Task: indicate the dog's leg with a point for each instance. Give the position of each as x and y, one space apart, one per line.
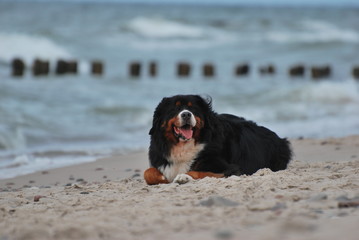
189 176
199 175
154 176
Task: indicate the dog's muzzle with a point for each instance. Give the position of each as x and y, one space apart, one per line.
187 122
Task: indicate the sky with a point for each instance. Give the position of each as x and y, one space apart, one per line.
244 2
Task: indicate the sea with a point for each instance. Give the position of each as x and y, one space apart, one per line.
53 121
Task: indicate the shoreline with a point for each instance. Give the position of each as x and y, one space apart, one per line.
106 169
316 198
133 164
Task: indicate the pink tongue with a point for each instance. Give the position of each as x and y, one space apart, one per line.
187 133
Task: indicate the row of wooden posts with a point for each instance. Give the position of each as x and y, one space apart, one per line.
208 70
184 69
42 67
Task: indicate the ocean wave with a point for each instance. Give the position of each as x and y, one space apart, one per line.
307 102
178 44
343 92
163 28
29 47
148 33
314 31
27 163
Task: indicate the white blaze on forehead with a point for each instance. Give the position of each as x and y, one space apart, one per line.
192 122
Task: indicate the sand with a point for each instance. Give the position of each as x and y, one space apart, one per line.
315 198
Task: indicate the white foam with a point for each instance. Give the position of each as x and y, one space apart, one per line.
330 92
29 47
317 127
25 164
159 33
325 92
163 28
21 160
315 31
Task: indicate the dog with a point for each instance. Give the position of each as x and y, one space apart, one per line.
191 141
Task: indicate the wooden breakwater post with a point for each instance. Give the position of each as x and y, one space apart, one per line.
61 67
267 70
319 72
64 67
183 69
242 70
208 70
72 67
97 68
135 69
297 71
40 67
152 69
355 72
18 67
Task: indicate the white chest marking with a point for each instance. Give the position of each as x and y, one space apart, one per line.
181 158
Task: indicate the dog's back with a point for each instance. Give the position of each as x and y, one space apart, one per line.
252 147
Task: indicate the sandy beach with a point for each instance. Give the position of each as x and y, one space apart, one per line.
317 197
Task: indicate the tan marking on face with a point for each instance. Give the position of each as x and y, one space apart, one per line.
198 127
169 129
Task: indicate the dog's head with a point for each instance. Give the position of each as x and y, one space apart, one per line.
181 117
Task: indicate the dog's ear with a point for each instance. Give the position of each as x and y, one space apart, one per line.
151 131
156 122
205 103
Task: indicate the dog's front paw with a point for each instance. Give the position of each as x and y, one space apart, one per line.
182 178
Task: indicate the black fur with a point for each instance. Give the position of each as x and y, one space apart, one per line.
234 146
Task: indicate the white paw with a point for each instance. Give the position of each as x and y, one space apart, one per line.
182 178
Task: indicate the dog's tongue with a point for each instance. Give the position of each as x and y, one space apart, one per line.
187 133
184 132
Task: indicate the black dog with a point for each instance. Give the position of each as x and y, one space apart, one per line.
189 140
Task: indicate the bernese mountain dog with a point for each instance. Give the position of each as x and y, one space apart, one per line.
191 141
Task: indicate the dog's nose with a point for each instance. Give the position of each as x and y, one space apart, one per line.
186 115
